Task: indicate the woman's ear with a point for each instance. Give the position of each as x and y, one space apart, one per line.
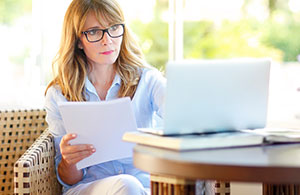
79 45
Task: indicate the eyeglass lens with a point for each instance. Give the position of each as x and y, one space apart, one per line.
97 34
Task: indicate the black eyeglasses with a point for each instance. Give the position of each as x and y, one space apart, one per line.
97 34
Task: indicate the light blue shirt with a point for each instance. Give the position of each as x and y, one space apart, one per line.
148 108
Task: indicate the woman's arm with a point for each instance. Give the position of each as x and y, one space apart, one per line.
72 154
66 155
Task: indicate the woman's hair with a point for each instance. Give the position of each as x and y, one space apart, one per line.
70 65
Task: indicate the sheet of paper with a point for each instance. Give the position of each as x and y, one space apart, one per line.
101 124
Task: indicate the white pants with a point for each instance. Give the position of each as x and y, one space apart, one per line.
115 185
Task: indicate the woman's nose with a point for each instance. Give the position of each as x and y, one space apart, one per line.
106 38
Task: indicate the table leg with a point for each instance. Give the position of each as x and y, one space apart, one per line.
279 189
167 185
170 185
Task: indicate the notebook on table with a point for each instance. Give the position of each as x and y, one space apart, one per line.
215 96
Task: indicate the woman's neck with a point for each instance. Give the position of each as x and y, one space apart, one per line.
102 78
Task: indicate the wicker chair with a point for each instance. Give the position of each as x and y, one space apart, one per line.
35 170
18 130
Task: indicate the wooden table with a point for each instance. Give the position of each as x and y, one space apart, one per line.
277 166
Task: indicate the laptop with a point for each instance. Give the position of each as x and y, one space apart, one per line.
204 96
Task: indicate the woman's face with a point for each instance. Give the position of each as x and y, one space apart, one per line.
104 52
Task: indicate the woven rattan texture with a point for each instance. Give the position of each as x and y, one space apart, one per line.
35 170
18 130
222 188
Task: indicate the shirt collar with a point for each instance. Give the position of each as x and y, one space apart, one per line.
117 80
90 87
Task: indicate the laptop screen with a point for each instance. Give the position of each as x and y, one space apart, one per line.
216 95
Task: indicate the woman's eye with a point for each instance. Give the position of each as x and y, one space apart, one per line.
113 28
93 32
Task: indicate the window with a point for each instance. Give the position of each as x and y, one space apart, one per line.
250 28
149 21
29 38
166 30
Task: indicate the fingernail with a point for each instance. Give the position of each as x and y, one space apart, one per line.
93 150
91 147
73 135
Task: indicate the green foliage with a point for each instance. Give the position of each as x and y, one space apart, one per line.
205 39
232 39
12 9
153 36
153 39
283 36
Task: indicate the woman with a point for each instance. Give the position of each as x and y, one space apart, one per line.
99 60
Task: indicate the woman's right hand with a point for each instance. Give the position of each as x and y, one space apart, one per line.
72 154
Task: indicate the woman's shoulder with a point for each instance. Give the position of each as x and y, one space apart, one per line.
151 73
152 78
54 92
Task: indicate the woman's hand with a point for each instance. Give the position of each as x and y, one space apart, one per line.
72 154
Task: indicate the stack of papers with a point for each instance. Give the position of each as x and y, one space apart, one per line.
101 124
278 135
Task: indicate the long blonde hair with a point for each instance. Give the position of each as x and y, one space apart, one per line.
70 65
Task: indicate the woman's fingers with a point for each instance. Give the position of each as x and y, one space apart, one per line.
75 158
66 138
72 154
71 149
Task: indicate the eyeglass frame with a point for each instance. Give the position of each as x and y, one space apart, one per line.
103 32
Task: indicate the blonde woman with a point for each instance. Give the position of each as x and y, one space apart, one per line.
99 60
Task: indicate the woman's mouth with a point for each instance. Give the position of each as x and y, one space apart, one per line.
107 52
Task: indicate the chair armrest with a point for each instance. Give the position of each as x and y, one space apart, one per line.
34 171
18 130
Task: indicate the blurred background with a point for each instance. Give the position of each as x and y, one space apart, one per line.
166 30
